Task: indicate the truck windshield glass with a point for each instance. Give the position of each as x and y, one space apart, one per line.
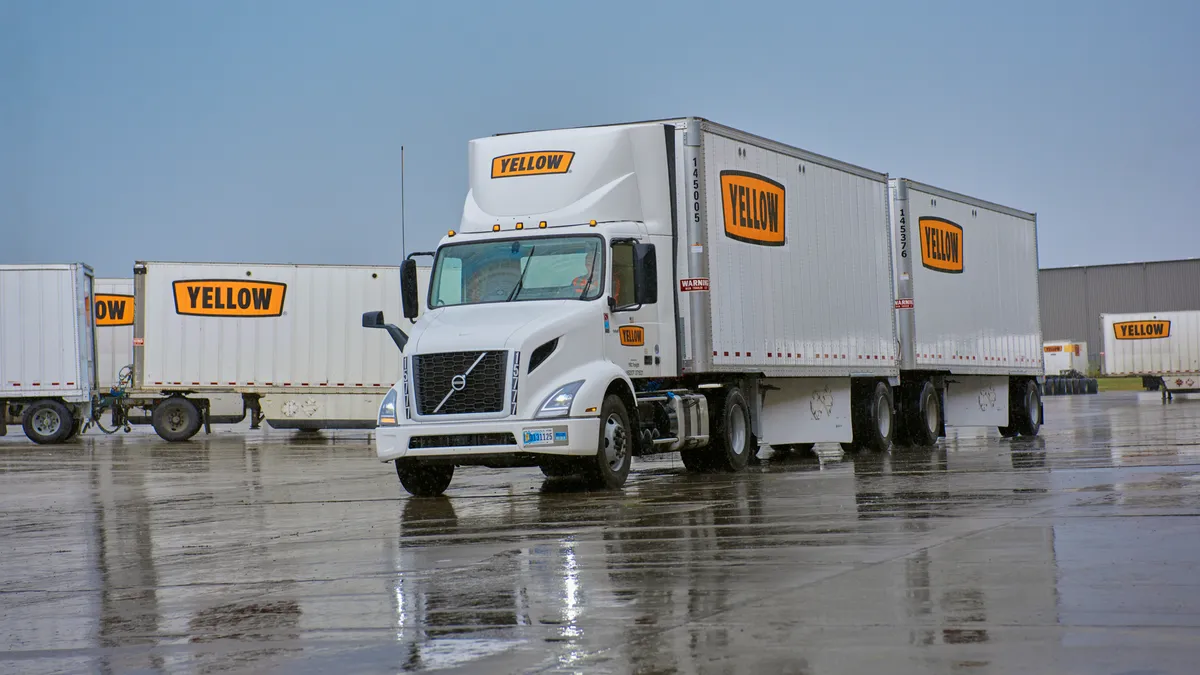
541 268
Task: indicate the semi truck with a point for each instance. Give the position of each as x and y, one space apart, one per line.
1162 347
47 349
683 286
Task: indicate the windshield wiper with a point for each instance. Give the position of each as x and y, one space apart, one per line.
588 286
521 280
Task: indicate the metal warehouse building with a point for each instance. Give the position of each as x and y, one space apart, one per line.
1073 298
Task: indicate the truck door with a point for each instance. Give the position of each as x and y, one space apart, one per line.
632 324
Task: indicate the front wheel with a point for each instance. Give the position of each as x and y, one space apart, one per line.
610 467
47 422
424 480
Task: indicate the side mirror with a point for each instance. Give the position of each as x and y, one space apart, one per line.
373 320
645 274
408 288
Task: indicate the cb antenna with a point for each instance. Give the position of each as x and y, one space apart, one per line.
403 250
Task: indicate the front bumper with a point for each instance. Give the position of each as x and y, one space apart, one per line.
563 436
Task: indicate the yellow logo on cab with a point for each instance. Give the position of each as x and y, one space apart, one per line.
532 163
633 336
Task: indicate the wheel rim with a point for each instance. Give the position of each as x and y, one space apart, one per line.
615 442
737 429
47 422
1031 405
176 420
931 415
883 418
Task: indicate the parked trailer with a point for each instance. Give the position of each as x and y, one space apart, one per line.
1163 346
114 311
47 349
1064 357
966 312
285 339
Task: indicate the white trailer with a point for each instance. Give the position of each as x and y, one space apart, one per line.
47 349
1065 356
966 313
286 340
649 287
1162 346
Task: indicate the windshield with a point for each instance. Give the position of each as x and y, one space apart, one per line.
508 270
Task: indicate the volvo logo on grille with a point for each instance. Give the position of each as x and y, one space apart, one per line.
458 383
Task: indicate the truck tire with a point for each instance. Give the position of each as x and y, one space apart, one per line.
76 427
1029 422
47 422
872 417
424 480
924 423
1022 418
609 468
731 441
176 419
1093 386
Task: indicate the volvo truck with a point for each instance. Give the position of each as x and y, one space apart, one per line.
682 286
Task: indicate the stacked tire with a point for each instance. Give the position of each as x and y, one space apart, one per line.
1058 385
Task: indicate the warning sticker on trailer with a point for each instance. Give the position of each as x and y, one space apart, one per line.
139 342
697 284
904 303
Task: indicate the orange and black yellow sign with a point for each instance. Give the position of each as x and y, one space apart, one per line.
633 336
1052 349
112 309
754 208
532 163
941 245
1142 330
229 297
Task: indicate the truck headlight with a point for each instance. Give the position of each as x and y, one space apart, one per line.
387 410
559 403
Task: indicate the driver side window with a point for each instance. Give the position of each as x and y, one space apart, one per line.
623 278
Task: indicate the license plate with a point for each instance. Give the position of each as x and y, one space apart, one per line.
539 437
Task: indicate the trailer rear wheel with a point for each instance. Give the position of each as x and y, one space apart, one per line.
1029 422
47 422
924 423
176 419
424 480
76 427
871 416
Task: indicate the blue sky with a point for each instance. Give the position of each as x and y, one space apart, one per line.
270 131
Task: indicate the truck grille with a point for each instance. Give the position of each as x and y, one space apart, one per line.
460 383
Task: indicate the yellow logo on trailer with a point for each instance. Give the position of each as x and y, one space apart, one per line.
1142 330
229 297
941 245
754 208
532 163
113 309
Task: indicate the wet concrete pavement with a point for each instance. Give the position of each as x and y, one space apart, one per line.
1076 552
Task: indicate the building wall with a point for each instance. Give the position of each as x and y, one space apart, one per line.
1073 298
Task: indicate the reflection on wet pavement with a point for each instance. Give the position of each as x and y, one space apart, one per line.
252 552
